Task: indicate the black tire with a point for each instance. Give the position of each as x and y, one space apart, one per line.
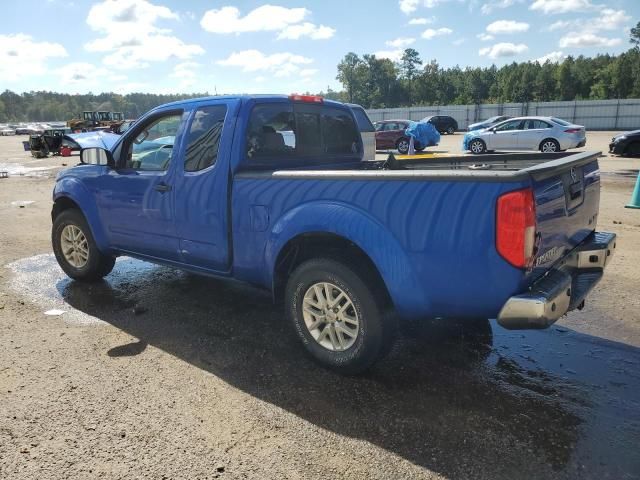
451 130
97 266
550 143
376 330
420 148
633 149
477 146
403 146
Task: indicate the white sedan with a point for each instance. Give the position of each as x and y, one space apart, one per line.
546 134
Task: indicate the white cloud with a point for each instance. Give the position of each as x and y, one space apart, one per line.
457 42
422 21
280 64
131 37
485 37
492 5
186 73
393 55
308 72
82 73
408 6
503 50
314 32
429 33
507 27
607 19
21 56
587 39
562 6
553 57
400 42
266 18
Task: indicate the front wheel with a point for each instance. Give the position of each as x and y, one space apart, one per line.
337 316
549 146
75 248
477 146
403 146
451 130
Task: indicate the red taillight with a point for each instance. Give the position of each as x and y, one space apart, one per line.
516 227
573 130
306 98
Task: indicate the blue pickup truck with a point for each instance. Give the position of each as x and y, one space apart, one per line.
273 191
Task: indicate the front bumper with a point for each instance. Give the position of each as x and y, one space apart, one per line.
617 148
562 289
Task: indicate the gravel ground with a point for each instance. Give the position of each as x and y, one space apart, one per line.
161 374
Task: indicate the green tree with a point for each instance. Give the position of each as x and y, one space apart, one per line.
349 71
635 36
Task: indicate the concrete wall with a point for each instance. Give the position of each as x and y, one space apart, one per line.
593 114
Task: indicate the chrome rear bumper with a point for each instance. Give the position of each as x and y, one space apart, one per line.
563 288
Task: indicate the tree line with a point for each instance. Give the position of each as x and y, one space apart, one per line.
381 83
51 106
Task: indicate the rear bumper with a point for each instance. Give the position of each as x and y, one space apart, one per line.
562 289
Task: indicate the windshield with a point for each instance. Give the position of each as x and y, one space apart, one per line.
560 122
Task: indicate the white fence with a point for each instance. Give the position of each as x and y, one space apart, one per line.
593 114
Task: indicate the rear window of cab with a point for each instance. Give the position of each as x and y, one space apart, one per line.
296 134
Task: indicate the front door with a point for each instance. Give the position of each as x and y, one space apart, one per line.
138 199
505 136
202 188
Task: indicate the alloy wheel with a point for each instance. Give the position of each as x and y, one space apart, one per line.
330 316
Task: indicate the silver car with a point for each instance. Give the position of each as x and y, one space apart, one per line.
546 134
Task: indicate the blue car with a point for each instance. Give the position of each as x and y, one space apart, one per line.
272 190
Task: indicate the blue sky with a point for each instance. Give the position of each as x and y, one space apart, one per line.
285 46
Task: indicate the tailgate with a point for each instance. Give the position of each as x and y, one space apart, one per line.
567 199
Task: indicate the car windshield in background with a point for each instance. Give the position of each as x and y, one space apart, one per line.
560 122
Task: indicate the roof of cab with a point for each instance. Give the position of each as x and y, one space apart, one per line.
239 97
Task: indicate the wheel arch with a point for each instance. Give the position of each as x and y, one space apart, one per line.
69 193
353 233
546 140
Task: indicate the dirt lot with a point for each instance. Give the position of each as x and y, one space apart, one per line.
160 374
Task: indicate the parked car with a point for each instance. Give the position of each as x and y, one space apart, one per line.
367 131
489 122
350 247
626 144
391 134
547 134
7 131
444 123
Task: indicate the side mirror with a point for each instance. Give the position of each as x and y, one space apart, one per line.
96 156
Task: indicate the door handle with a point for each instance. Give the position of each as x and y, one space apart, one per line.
162 187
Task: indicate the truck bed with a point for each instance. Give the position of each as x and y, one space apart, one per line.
432 223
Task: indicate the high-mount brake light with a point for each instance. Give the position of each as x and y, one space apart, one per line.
516 227
306 98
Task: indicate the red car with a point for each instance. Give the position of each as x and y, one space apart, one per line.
390 135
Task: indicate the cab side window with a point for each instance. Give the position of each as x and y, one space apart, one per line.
152 147
203 139
271 131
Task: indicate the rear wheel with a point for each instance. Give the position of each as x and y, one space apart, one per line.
75 248
403 146
633 149
549 145
337 315
477 146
